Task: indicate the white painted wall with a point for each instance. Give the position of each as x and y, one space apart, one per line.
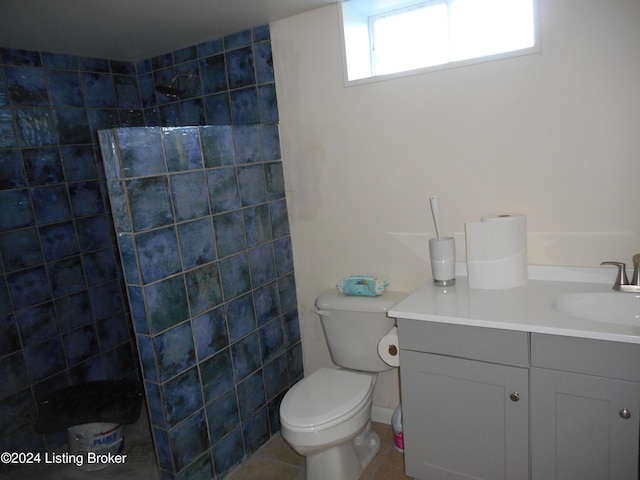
553 135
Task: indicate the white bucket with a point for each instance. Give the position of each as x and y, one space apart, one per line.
95 438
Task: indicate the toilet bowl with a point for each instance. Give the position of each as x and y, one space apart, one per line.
327 418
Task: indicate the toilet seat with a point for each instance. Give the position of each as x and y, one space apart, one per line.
325 398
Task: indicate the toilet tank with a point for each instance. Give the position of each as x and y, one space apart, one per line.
354 325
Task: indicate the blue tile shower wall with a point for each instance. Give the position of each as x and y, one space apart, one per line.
55 103
63 311
202 224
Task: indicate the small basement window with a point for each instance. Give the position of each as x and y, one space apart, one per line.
385 38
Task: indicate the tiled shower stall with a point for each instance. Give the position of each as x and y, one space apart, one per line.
207 255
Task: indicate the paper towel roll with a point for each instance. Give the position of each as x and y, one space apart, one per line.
389 349
497 251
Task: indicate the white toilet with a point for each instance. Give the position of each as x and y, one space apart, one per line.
327 416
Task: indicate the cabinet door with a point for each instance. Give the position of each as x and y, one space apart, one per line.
464 419
580 428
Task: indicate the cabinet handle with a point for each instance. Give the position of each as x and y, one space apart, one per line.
624 413
515 396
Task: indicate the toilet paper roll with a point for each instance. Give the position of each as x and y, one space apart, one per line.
497 251
389 349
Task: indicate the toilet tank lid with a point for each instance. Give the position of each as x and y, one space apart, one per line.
334 300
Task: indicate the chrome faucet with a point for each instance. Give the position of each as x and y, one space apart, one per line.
622 282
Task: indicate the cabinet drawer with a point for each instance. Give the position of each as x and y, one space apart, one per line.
583 355
475 343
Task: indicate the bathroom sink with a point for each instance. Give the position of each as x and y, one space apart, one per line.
610 307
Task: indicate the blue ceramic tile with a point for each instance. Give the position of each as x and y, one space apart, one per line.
99 90
141 151
26 86
106 299
261 33
218 109
20 249
43 166
223 189
37 323
257 225
276 377
16 210
193 111
13 370
246 356
59 241
66 276
228 452
51 204
275 180
238 39
11 172
79 163
150 202
93 232
8 136
251 395
223 416
80 344
234 271
229 232
127 93
100 266
279 218
182 396
113 331
203 286
167 303
158 254
9 340
189 440
175 351
147 356
287 291
45 359
268 103
284 256
262 265
210 332
267 302
73 126
28 287
210 47
244 106
291 327
217 375
255 431
217 145
264 62
240 317
270 135
182 149
252 185
197 242
214 74
271 340
75 311
65 88
190 195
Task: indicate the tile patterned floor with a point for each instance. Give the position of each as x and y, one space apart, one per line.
274 461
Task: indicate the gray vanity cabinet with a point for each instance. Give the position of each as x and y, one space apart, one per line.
491 404
465 416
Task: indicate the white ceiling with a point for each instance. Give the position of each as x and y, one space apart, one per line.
133 30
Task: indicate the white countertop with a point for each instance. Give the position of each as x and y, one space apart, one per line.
525 308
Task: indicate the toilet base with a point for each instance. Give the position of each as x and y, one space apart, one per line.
345 461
